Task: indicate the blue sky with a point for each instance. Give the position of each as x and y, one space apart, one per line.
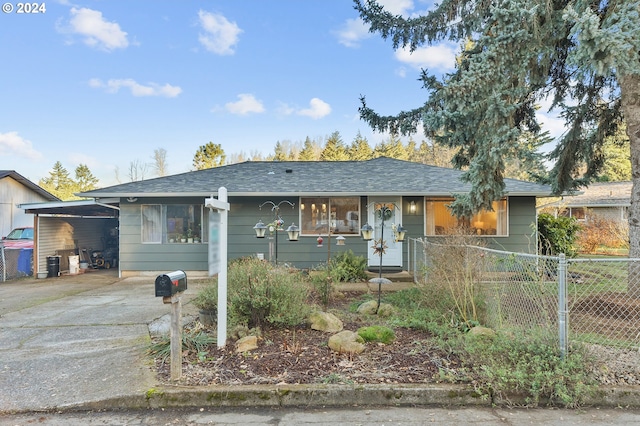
106 82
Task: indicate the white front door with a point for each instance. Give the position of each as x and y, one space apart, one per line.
392 255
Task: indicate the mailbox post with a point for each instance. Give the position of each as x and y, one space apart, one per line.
170 287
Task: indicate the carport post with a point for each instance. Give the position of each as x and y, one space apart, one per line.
218 256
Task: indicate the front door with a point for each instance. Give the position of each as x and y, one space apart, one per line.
392 255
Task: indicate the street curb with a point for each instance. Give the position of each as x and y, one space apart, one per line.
335 396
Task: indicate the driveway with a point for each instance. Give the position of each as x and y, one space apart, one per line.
76 339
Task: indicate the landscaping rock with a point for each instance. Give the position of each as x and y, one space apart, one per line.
369 308
247 344
325 321
346 342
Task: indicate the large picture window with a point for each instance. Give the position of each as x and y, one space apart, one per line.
440 221
174 223
342 214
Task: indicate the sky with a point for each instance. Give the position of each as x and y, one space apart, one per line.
105 83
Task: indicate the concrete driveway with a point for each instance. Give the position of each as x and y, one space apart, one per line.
76 339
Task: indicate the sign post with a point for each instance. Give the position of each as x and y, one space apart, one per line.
218 215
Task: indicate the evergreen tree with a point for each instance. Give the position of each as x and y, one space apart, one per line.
310 151
85 180
392 148
280 153
208 156
334 149
584 54
360 150
59 183
617 164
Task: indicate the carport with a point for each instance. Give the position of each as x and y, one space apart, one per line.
67 228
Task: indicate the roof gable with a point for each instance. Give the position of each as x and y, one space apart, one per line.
27 183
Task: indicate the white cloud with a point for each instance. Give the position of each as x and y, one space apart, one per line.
397 7
317 109
220 35
442 57
246 104
95 30
352 32
355 30
136 89
13 144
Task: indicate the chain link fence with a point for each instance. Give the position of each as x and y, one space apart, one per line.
15 263
589 300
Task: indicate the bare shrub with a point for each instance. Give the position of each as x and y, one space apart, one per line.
453 276
600 231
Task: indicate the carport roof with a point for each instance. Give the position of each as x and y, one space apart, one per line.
79 208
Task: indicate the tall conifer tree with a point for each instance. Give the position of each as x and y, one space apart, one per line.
582 54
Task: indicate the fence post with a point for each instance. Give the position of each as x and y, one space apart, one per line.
562 304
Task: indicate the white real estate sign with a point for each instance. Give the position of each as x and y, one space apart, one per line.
219 210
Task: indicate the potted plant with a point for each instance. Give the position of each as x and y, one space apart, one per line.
189 235
207 302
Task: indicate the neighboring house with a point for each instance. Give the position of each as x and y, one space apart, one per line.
610 200
15 190
156 215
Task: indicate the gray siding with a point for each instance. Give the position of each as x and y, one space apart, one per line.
522 225
148 259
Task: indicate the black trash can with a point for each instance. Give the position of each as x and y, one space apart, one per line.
53 266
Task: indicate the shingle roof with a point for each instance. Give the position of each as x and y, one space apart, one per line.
599 195
379 176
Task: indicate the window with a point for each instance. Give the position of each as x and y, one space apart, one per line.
151 224
440 221
175 223
341 213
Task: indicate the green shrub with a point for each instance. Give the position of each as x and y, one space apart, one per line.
322 283
347 267
530 364
260 294
557 235
207 297
377 333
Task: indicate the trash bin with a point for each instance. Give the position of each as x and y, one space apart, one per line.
53 266
24 262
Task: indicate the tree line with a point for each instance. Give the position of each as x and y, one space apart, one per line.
528 166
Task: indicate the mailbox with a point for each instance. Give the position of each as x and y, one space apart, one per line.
171 283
